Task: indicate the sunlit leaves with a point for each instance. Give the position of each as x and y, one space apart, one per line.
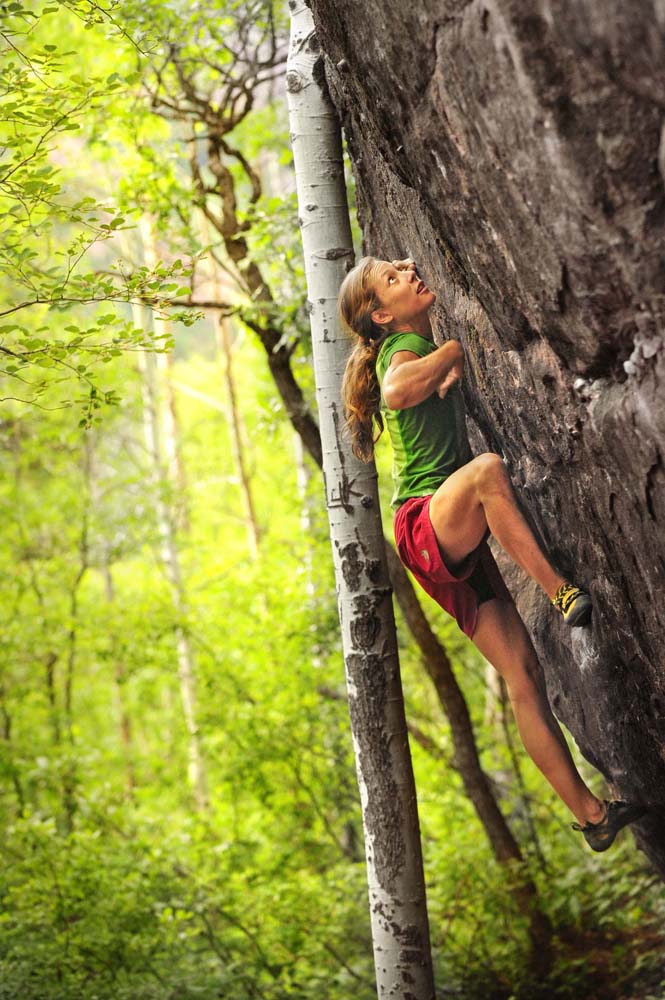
53 235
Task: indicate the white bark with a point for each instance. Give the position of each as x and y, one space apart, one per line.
167 413
233 411
392 843
168 416
170 559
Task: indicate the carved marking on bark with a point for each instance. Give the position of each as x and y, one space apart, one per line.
372 566
351 565
366 624
373 570
341 497
344 485
334 253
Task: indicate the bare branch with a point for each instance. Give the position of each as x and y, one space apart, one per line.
253 177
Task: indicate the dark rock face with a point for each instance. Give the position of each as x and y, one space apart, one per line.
516 149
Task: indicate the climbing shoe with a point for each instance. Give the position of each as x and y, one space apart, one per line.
600 836
574 604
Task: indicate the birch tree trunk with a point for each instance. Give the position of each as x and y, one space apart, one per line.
164 459
167 410
239 453
171 563
120 680
233 411
169 422
398 910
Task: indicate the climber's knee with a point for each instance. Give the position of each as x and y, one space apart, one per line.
489 473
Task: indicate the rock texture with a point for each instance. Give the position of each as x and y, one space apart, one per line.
516 149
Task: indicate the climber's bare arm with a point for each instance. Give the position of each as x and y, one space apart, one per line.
411 379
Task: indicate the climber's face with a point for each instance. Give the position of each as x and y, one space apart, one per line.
405 299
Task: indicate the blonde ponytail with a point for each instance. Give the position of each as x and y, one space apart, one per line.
361 393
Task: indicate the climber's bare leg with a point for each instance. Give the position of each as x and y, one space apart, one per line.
501 637
477 497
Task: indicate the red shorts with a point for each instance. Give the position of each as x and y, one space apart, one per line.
419 550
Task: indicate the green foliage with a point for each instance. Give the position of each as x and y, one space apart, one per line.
112 885
49 229
127 917
142 898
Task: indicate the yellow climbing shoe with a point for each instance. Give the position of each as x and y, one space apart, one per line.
574 604
600 836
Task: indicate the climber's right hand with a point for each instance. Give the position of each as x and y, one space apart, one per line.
453 376
408 264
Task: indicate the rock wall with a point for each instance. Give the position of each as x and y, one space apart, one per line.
516 149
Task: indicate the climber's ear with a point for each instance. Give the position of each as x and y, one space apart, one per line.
381 316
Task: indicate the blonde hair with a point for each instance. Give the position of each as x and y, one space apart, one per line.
361 392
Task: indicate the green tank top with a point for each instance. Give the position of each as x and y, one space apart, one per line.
429 440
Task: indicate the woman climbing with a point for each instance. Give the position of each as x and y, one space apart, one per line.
447 503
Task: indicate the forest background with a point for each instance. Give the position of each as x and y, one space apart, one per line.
179 809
